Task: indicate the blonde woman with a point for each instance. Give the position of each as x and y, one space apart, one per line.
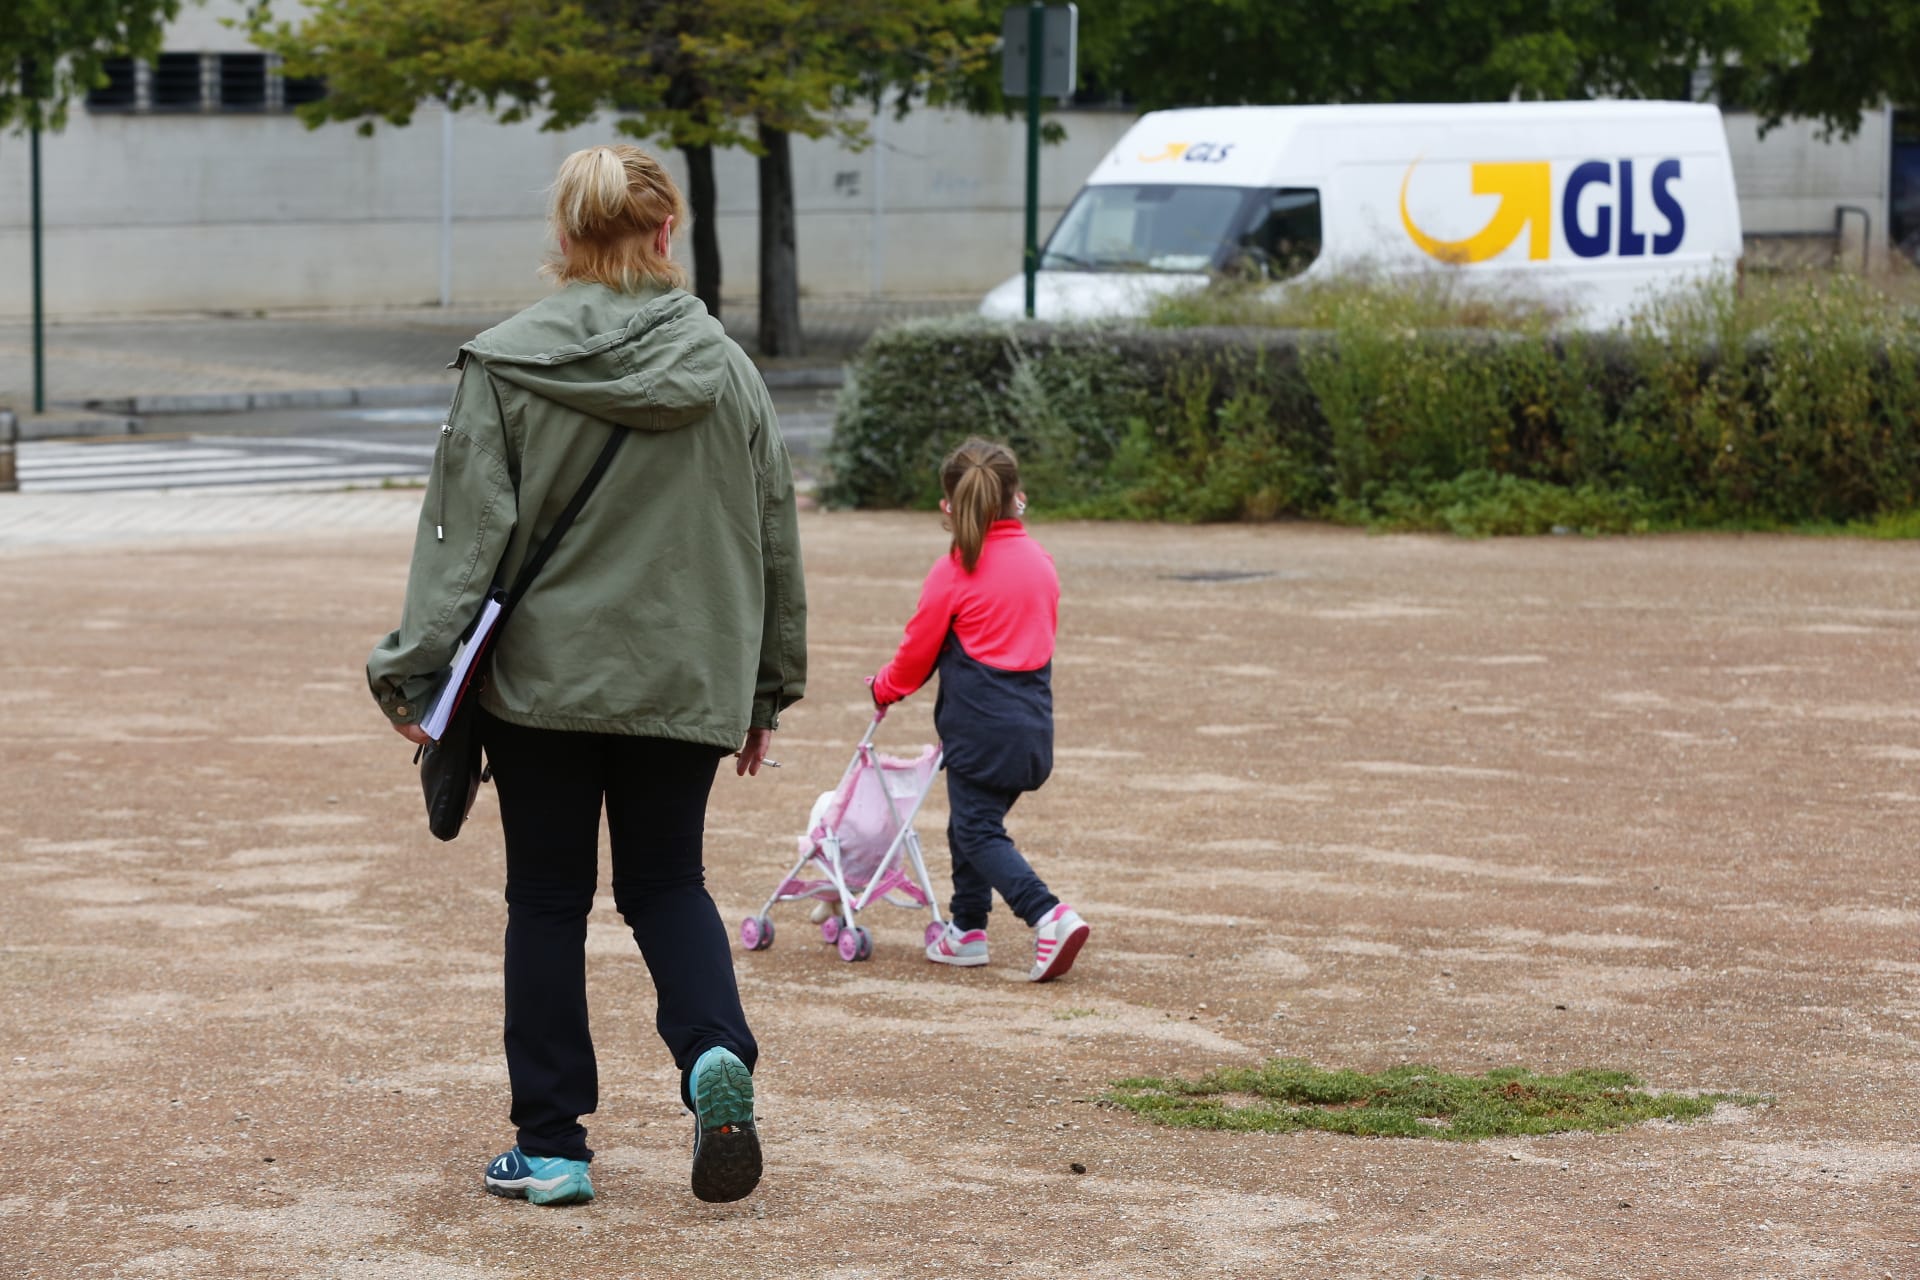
667 630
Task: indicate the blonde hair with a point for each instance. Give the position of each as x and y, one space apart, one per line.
980 479
609 204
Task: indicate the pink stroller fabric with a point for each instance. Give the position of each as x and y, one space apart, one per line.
859 812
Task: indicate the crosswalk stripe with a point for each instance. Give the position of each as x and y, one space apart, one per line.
344 446
172 464
202 479
29 455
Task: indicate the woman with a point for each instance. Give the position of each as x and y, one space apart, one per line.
667 630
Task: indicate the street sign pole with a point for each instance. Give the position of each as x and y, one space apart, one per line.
1036 50
39 310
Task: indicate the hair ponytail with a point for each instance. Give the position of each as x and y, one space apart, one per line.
609 203
590 193
980 479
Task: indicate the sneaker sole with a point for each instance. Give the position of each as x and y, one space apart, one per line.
958 962
726 1146
1062 959
571 1189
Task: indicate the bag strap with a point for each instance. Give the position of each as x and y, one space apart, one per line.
552 540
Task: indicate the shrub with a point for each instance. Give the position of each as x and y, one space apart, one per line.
1798 402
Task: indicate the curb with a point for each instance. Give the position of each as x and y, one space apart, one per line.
74 425
379 397
822 377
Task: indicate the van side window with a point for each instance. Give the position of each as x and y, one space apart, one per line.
1283 233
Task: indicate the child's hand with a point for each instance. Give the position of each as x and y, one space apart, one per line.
874 694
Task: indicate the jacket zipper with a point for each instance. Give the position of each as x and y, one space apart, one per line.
440 453
439 483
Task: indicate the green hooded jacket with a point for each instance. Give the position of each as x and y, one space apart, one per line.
674 606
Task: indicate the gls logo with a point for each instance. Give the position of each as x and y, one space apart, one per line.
1525 189
1191 152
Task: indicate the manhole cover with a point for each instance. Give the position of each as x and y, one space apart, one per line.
1219 575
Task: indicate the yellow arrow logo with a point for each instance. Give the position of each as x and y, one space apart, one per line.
1525 189
1173 151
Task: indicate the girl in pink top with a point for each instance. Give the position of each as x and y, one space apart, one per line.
986 621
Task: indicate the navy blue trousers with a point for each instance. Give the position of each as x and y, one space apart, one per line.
552 785
985 859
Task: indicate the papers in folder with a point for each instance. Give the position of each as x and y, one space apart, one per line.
463 671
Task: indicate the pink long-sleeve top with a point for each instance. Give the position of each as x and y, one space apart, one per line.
1004 614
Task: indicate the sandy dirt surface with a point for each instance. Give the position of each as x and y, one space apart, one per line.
1648 805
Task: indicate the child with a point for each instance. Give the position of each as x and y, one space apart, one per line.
987 615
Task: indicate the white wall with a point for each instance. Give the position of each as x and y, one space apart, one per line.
236 212
1792 181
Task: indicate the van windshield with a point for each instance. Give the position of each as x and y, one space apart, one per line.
1186 229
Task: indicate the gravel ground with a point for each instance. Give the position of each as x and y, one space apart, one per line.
1642 804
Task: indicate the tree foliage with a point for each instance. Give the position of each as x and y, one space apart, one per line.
51 50
1228 52
1859 53
685 72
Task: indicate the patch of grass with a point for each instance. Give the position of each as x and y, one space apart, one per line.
1068 1015
1888 526
1286 1094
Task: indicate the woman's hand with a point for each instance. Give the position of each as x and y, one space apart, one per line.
749 758
412 733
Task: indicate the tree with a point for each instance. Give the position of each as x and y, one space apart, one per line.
1860 53
1226 52
53 49
695 74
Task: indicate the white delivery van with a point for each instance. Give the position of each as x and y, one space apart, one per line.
1586 205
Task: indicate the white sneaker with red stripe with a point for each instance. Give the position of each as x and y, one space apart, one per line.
965 950
1057 939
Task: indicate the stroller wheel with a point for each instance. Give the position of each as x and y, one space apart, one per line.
934 929
756 933
830 929
854 944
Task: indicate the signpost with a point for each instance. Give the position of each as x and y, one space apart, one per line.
30 88
39 307
1039 43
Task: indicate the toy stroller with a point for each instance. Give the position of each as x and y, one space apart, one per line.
861 844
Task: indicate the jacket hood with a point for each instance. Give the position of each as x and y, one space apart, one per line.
652 360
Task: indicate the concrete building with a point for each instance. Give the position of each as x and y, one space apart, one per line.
188 186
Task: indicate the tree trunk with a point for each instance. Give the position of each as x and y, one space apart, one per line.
701 201
779 252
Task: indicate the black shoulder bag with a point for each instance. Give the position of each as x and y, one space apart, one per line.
450 772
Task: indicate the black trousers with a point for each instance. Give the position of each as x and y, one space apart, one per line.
551 786
985 857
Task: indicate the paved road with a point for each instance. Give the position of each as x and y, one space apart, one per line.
299 450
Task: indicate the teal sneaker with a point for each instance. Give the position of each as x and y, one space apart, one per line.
540 1179
726 1147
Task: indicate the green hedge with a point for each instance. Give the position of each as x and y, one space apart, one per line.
1698 414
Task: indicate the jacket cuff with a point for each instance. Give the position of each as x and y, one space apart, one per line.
766 715
401 712
400 707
